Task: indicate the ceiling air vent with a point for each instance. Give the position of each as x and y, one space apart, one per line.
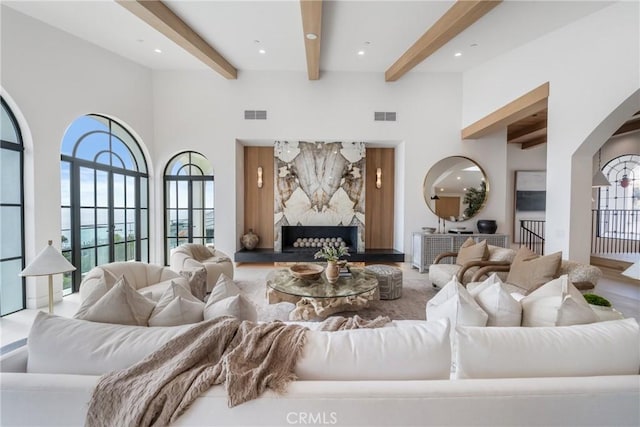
255 114
381 116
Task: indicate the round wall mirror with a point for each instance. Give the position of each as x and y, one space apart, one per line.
456 188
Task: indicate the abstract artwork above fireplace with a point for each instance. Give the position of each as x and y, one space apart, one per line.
319 183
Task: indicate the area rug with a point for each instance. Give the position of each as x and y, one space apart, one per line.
412 304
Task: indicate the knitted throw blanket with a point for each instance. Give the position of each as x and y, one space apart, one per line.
247 357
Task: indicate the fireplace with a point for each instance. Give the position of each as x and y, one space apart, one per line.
312 238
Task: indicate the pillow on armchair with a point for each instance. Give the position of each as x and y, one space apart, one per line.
529 271
472 251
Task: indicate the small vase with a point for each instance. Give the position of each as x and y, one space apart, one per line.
487 226
332 272
250 240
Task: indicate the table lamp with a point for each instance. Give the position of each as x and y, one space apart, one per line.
633 271
48 262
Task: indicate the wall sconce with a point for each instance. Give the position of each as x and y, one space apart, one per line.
378 178
260 177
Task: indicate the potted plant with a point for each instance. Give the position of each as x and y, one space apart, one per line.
602 307
332 254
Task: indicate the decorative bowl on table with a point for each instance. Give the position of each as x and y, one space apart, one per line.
306 271
429 230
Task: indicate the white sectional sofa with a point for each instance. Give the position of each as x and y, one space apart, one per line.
399 375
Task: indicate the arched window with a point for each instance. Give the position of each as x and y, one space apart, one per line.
105 202
619 203
12 295
188 198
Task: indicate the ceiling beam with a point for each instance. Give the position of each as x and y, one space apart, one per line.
629 126
534 142
513 136
161 18
312 26
526 105
458 18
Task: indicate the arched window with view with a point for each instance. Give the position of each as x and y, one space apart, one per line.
12 296
618 214
104 196
188 196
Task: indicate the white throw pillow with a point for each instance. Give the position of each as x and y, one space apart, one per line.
602 348
556 303
177 306
412 352
58 345
121 305
225 287
99 290
500 306
475 290
454 302
237 306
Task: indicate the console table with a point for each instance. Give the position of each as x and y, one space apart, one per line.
426 247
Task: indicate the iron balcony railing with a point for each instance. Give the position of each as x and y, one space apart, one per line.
532 235
615 231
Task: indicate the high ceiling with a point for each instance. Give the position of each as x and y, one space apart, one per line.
383 30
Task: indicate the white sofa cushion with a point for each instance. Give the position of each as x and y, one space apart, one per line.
557 303
500 306
58 345
603 348
122 305
454 302
481 286
411 352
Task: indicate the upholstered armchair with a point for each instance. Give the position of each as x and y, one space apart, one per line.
498 259
191 256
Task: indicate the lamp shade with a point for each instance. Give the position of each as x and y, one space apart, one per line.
48 261
599 180
633 271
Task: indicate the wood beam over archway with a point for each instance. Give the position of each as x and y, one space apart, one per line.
312 33
526 105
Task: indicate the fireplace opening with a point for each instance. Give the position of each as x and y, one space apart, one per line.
313 237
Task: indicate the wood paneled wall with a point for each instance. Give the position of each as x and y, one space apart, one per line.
379 202
258 202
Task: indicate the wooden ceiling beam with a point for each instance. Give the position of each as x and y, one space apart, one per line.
526 105
513 136
534 142
458 18
629 126
312 25
161 18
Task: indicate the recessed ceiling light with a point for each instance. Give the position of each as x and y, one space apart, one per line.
361 52
464 189
442 189
262 51
457 177
156 50
457 54
311 36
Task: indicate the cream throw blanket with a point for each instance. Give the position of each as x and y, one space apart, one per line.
247 357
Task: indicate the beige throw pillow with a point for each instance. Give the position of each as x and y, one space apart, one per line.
236 306
180 311
529 271
197 279
224 288
100 289
472 251
121 305
172 292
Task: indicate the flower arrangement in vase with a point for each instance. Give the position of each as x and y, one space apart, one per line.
332 254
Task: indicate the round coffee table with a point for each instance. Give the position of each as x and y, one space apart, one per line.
318 299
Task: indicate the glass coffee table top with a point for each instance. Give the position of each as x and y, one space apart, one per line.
360 282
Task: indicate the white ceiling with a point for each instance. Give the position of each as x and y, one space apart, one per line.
233 27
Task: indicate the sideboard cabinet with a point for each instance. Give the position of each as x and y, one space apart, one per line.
426 247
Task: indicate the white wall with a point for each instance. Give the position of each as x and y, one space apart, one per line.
593 69
53 78
201 111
